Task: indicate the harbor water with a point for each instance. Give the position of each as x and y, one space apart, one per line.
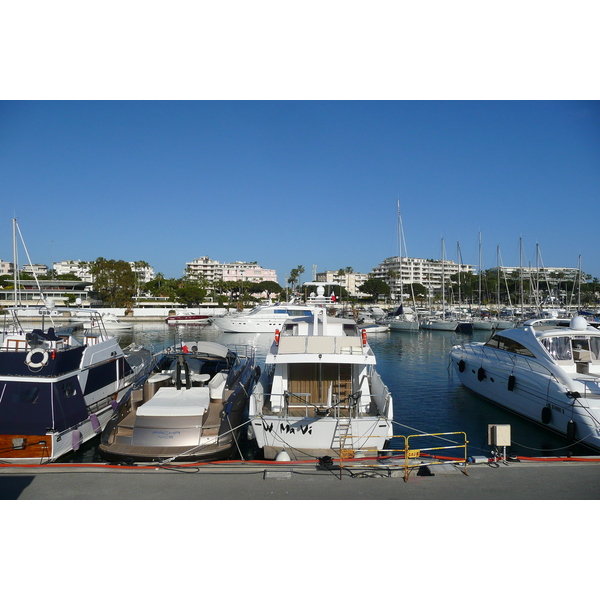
428 397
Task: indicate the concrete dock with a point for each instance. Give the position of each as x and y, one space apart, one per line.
520 480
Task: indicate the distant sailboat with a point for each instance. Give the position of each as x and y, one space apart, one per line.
481 322
399 320
441 323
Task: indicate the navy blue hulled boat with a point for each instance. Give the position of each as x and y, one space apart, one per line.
56 391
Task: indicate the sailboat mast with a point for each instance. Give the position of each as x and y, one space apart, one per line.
498 280
479 270
521 275
443 284
15 262
400 252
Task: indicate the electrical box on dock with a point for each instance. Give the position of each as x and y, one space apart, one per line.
499 435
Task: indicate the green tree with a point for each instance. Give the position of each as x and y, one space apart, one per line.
190 293
114 281
375 287
295 274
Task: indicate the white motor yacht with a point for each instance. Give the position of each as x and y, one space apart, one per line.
546 370
261 319
320 394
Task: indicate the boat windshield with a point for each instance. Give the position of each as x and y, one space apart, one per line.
504 343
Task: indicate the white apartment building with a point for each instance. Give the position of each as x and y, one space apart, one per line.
6 268
78 268
349 281
397 272
144 272
213 270
550 274
35 270
203 268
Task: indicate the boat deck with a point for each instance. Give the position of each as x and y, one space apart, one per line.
122 446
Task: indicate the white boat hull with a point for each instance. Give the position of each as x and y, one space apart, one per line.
440 325
541 400
404 325
303 438
243 326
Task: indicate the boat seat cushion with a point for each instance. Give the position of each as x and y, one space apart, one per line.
170 402
217 385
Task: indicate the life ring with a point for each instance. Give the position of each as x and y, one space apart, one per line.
277 334
36 365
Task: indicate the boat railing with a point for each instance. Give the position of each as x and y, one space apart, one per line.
419 450
299 404
515 360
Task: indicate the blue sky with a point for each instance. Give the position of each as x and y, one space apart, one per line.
289 183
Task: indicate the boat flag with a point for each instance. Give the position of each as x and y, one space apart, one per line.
333 296
185 349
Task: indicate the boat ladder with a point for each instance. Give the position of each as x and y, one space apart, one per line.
342 438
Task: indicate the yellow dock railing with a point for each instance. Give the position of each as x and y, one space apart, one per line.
418 451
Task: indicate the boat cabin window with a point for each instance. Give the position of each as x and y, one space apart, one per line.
299 313
504 343
585 349
558 347
580 349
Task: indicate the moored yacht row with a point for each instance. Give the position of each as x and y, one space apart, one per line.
317 394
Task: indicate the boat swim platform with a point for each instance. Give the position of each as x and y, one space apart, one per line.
576 478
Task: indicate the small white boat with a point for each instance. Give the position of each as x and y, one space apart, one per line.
547 371
182 317
320 394
107 321
374 328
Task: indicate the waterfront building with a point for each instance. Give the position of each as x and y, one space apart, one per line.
6 268
213 270
247 272
550 274
351 282
397 273
545 284
35 270
78 268
59 292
